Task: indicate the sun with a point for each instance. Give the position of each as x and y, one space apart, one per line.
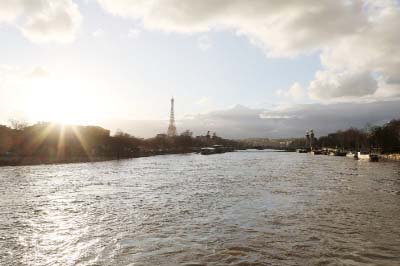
61 101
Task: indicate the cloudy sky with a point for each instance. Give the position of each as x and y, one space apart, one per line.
240 67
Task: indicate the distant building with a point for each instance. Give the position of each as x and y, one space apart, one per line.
310 139
171 127
205 139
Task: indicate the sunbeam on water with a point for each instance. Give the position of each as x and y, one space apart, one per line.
243 208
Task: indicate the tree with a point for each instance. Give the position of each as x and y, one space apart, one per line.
187 133
17 124
387 137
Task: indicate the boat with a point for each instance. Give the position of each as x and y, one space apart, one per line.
216 149
340 153
219 148
208 151
229 149
301 150
351 155
325 152
316 152
363 156
335 152
372 157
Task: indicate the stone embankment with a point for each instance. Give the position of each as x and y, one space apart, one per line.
32 160
392 157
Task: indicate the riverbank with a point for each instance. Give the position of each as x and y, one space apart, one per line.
30 160
24 161
384 157
391 157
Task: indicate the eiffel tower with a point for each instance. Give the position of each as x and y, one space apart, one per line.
172 128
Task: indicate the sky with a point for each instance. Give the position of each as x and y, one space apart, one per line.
242 68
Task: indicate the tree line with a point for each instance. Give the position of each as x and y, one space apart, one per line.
50 142
384 139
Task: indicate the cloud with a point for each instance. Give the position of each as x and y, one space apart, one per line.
373 49
242 122
134 33
38 72
353 37
388 88
295 92
204 43
12 9
98 33
284 27
330 85
9 72
42 20
327 118
203 101
15 82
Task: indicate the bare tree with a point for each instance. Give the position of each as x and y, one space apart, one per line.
17 124
187 133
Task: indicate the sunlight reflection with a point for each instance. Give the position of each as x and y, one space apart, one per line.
61 143
82 142
38 140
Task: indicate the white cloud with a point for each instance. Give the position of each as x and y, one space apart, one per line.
329 85
8 75
15 77
282 27
353 36
204 42
295 93
10 10
373 49
42 20
134 33
388 88
263 116
98 33
203 101
15 85
38 72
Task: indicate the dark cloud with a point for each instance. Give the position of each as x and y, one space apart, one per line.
242 122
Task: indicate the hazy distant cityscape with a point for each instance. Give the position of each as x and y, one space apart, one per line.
48 142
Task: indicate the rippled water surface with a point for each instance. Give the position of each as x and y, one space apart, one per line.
242 208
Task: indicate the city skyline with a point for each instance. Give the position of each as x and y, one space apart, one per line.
246 69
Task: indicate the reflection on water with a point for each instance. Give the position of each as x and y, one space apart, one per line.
243 208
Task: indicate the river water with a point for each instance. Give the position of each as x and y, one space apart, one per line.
242 208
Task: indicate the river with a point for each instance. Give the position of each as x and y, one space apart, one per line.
241 208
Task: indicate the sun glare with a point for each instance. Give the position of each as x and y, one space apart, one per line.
62 102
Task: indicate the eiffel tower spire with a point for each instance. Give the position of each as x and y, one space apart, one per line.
172 128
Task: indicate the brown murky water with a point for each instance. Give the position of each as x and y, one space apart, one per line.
243 208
